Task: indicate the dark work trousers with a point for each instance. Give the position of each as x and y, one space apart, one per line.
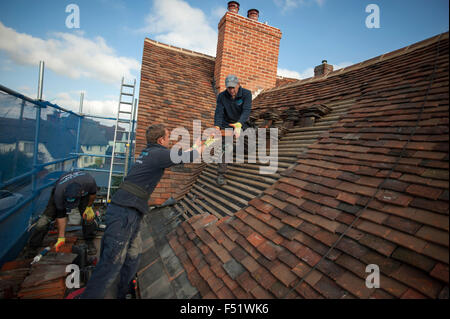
41 228
228 148
119 254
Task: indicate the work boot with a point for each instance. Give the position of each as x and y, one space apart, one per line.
221 180
92 250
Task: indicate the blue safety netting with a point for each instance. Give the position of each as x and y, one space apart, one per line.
38 142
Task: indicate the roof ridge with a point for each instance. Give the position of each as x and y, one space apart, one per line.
186 51
357 66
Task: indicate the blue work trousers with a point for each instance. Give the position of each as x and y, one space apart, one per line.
119 255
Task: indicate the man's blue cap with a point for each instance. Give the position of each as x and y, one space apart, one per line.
231 81
72 195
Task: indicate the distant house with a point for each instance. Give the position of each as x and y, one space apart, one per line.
57 140
93 140
17 137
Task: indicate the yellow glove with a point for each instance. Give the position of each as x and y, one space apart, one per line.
237 129
61 241
210 140
88 214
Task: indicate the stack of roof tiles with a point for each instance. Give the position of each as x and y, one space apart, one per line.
373 190
44 280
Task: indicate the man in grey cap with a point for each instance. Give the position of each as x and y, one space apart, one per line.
232 111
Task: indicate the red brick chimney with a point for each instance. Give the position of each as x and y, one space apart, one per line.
323 69
246 48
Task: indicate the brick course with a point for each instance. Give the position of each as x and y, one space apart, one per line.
248 49
168 95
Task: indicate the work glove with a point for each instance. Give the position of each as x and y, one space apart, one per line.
218 129
61 241
210 140
237 129
197 146
88 214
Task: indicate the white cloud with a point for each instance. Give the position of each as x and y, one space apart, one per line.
287 5
288 73
175 22
68 54
219 12
342 65
71 101
309 72
26 90
6 64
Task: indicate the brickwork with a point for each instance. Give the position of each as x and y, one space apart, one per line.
249 49
176 88
323 69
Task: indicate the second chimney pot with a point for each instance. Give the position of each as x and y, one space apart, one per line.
253 14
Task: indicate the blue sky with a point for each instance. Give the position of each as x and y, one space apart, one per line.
109 42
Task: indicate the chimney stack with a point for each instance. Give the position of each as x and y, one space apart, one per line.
323 69
247 48
233 6
253 14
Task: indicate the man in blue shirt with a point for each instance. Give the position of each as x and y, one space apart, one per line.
232 111
121 242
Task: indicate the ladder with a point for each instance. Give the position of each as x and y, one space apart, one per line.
125 119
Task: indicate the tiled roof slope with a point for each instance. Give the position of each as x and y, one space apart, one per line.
175 89
355 80
244 181
374 190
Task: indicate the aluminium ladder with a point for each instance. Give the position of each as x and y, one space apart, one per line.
121 149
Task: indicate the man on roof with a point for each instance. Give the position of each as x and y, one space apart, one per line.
71 190
233 109
121 242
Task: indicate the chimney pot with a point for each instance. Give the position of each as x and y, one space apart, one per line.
233 6
233 44
253 14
